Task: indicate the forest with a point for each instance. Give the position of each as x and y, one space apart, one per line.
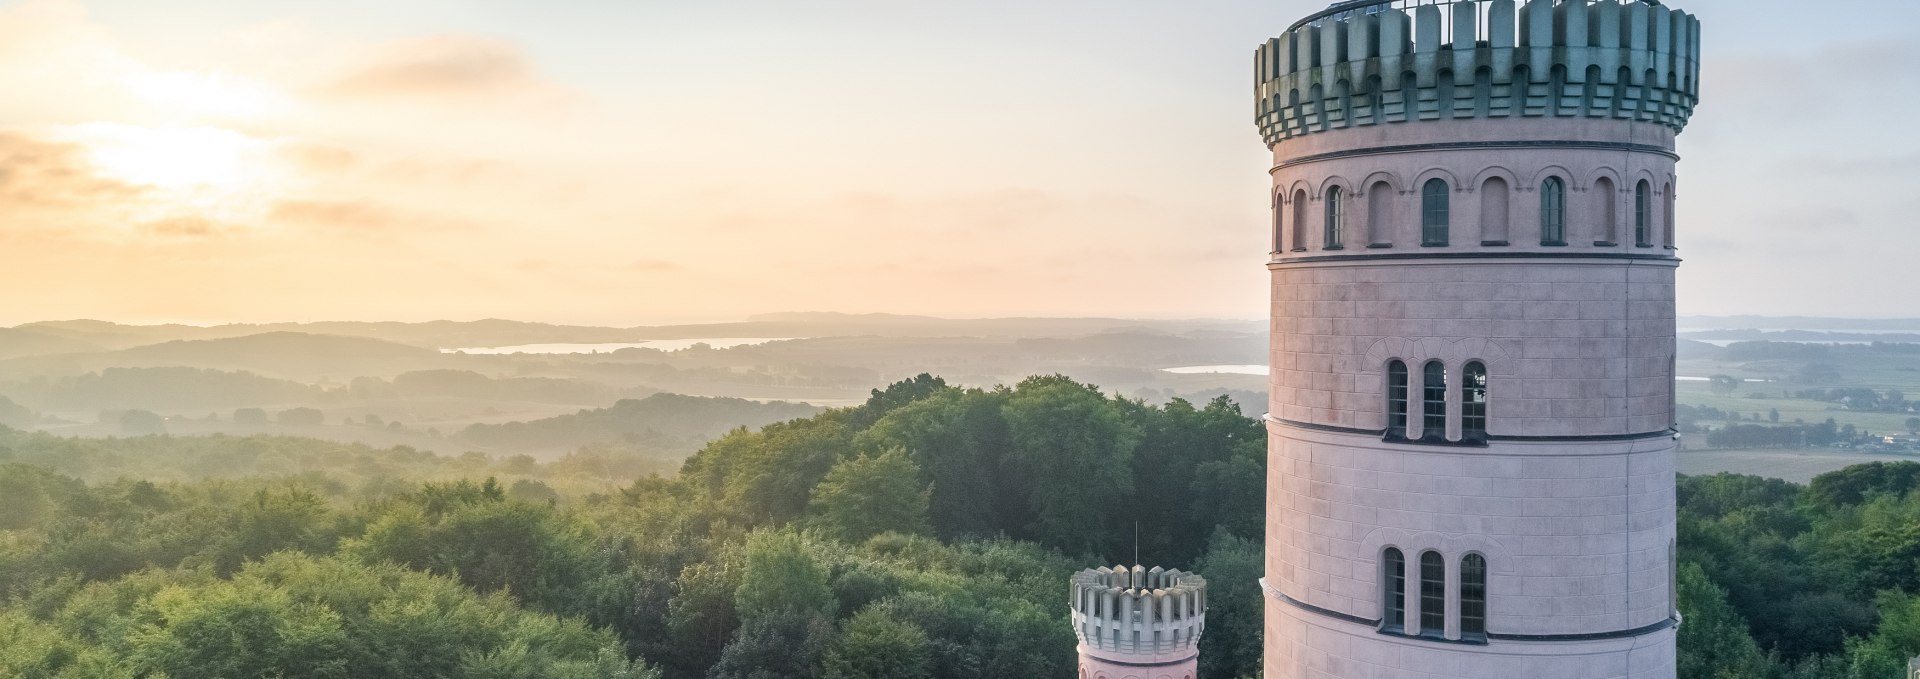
928 532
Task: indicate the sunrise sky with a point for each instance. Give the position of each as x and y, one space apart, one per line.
646 161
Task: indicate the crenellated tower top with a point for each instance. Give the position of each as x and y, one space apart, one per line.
1137 616
1371 62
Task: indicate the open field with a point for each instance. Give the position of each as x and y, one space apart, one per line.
1798 466
1813 412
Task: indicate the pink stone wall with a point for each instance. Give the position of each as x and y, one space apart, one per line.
1093 667
1571 501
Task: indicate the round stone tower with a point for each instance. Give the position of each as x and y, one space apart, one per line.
1471 453
1138 623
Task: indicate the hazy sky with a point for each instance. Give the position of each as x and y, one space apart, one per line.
646 161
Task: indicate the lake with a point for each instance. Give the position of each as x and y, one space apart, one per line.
1218 370
608 347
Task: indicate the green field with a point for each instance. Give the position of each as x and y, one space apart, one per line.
1768 384
1798 466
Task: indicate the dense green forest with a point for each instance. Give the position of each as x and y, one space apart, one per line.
926 533
1784 581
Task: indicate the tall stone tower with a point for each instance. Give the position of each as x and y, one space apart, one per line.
1135 623
1470 434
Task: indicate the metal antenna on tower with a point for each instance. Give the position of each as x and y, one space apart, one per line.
1136 542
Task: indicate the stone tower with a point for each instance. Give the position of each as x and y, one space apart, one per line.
1138 623
1471 452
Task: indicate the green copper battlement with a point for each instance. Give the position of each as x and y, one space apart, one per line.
1374 62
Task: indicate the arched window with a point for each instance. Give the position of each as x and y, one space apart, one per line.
1666 221
1553 212
1393 578
1494 206
1335 219
1673 579
1396 400
1379 214
1279 210
1609 221
1473 597
1473 402
1642 216
1434 219
1433 594
1299 220
1433 425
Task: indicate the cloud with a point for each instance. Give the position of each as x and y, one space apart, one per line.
359 216
315 157
184 227
440 67
43 173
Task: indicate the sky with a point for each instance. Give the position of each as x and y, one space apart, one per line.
642 162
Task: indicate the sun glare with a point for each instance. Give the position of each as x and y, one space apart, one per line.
204 94
171 157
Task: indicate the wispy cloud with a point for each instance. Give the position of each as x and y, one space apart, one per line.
448 67
364 217
45 173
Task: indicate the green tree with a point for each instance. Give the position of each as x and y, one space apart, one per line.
876 646
959 441
141 423
781 576
543 556
701 615
1715 636
1723 384
784 645
1072 455
1235 607
866 496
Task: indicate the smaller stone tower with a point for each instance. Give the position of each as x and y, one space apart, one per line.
1138 623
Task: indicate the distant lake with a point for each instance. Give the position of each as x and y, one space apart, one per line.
1218 370
608 347
1730 342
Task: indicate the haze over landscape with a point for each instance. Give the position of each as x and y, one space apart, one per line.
827 340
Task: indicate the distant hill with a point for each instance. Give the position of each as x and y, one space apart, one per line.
656 419
23 341
469 384
171 388
90 335
288 355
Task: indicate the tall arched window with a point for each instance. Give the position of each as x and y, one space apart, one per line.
1494 206
1336 219
1393 578
1379 214
1603 192
1553 212
1300 220
1642 216
1279 210
1396 400
1473 597
1473 402
1434 218
1433 593
1433 425
1666 217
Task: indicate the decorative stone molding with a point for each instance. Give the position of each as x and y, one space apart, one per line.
1138 616
1369 62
